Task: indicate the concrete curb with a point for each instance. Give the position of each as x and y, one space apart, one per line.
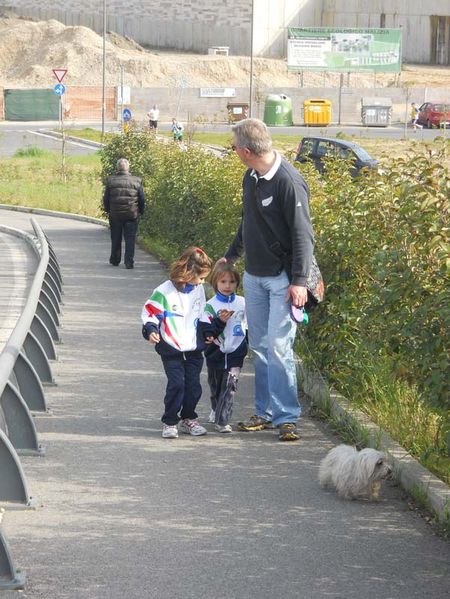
419 482
87 142
43 211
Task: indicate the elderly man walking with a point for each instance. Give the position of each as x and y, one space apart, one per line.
123 201
275 231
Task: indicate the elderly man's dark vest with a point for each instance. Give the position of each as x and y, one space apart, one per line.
123 195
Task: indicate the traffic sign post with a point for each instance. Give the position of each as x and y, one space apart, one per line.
59 89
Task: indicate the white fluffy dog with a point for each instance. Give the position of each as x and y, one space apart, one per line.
354 472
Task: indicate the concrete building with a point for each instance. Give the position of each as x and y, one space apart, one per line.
196 25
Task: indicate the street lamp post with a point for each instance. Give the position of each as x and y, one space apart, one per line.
104 70
250 105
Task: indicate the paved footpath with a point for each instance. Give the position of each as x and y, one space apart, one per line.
126 514
18 264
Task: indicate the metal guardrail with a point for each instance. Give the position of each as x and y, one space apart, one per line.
24 369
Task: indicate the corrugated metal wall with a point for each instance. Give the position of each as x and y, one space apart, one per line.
426 34
199 24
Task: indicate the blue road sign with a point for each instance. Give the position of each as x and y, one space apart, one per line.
126 114
59 89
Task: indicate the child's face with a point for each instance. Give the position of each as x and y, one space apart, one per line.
198 279
226 284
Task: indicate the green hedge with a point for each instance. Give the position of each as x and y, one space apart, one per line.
382 243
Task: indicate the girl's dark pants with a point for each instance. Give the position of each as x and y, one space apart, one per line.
223 385
183 389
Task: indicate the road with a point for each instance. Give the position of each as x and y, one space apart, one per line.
14 136
124 513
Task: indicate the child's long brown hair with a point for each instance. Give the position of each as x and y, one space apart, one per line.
192 263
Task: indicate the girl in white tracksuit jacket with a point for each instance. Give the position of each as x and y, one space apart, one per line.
170 317
226 349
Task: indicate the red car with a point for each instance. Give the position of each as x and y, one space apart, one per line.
434 114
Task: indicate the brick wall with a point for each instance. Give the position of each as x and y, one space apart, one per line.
85 103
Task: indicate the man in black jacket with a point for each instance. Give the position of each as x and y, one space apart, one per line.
123 201
275 225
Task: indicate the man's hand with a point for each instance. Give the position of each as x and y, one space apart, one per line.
222 260
297 295
154 338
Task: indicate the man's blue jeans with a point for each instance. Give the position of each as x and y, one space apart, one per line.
271 337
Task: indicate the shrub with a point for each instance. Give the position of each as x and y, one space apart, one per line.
192 197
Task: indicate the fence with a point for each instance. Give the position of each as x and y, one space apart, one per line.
24 367
84 103
78 103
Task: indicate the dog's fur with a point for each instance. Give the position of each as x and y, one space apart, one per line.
354 472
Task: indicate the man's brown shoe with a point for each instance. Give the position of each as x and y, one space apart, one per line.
288 432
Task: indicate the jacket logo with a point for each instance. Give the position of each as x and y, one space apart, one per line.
237 331
267 201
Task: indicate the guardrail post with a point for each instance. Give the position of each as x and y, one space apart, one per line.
29 384
47 319
39 329
10 577
13 488
37 356
47 302
51 281
55 275
51 294
19 422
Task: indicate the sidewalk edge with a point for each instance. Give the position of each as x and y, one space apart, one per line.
44 212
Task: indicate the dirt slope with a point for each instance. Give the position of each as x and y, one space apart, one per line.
29 50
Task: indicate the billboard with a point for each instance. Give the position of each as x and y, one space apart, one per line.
344 50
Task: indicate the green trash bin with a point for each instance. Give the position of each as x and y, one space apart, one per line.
278 110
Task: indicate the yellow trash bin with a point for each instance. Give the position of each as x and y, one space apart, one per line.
317 112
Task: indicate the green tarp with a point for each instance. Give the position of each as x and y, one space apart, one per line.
31 105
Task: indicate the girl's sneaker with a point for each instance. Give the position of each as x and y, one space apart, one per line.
212 417
192 427
226 428
169 431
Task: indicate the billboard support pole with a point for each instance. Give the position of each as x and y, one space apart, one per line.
341 85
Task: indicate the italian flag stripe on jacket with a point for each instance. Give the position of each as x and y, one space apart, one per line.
176 314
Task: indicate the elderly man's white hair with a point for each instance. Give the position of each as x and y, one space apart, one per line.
123 165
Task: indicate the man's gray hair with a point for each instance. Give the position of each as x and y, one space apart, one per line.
122 165
254 135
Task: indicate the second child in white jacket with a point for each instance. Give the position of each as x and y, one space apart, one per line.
226 349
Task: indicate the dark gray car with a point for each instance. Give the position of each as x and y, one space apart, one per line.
318 148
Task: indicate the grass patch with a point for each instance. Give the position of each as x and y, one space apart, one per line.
34 180
89 134
397 407
31 152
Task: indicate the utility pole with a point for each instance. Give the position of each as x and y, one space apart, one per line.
250 104
104 70
121 98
